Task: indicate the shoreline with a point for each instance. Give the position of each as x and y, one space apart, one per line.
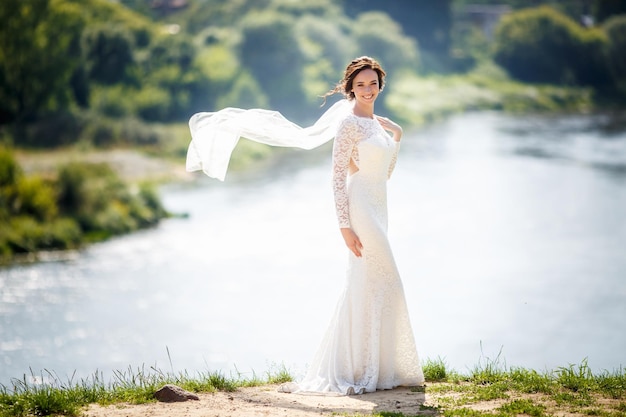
490 390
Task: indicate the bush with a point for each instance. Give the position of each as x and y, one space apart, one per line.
102 203
542 45
102 133
153 104
114 101
35 198
135 132
85 190
10 173
52 130
9 169
92 201
25 234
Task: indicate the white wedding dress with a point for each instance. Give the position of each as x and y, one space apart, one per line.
369 344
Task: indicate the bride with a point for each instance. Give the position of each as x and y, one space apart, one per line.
369 344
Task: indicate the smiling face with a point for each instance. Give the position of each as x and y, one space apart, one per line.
365 87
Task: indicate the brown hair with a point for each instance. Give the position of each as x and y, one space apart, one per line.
354 67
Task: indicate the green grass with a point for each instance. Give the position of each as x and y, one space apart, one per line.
49 395
573 389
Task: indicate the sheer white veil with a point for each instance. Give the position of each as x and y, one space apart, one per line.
215 134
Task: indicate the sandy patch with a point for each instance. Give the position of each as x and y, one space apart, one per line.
266 401
130 164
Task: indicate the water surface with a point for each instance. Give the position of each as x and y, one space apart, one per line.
509 234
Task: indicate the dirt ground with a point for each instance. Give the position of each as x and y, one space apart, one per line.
130 164
267 401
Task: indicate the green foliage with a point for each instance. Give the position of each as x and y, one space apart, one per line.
615 29
417 100
530 381
489 371
379 36
171 50
25 234
153 103
278 374
605 9
435 370
39 53
97 72
87 201
543 45
613 384
427 21
50 396
108 51
267 48
95 196
245 93
10 170
522 407
199 15
135 386
36 198
327 47
576 377
114 101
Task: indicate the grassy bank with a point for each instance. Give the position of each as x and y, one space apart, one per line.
416 100
489 389
79 203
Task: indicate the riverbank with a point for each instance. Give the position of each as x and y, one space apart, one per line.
63 203
489 390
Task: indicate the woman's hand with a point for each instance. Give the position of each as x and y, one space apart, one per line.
352 241
391 126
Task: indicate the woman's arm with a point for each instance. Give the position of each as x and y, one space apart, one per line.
343 148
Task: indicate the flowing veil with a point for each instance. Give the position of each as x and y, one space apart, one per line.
214 135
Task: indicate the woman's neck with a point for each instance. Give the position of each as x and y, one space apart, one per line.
363 110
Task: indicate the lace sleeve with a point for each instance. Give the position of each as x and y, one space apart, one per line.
394 159
343 148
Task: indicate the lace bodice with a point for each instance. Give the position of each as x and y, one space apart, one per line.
352 132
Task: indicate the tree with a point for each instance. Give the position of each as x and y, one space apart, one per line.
615 29
379 36
108 51
39 53
543 45
604 9
428 21
274 59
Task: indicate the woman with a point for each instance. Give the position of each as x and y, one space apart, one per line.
369 344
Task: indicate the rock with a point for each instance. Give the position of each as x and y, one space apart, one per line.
171 393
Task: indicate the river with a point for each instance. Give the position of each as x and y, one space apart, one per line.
509 233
